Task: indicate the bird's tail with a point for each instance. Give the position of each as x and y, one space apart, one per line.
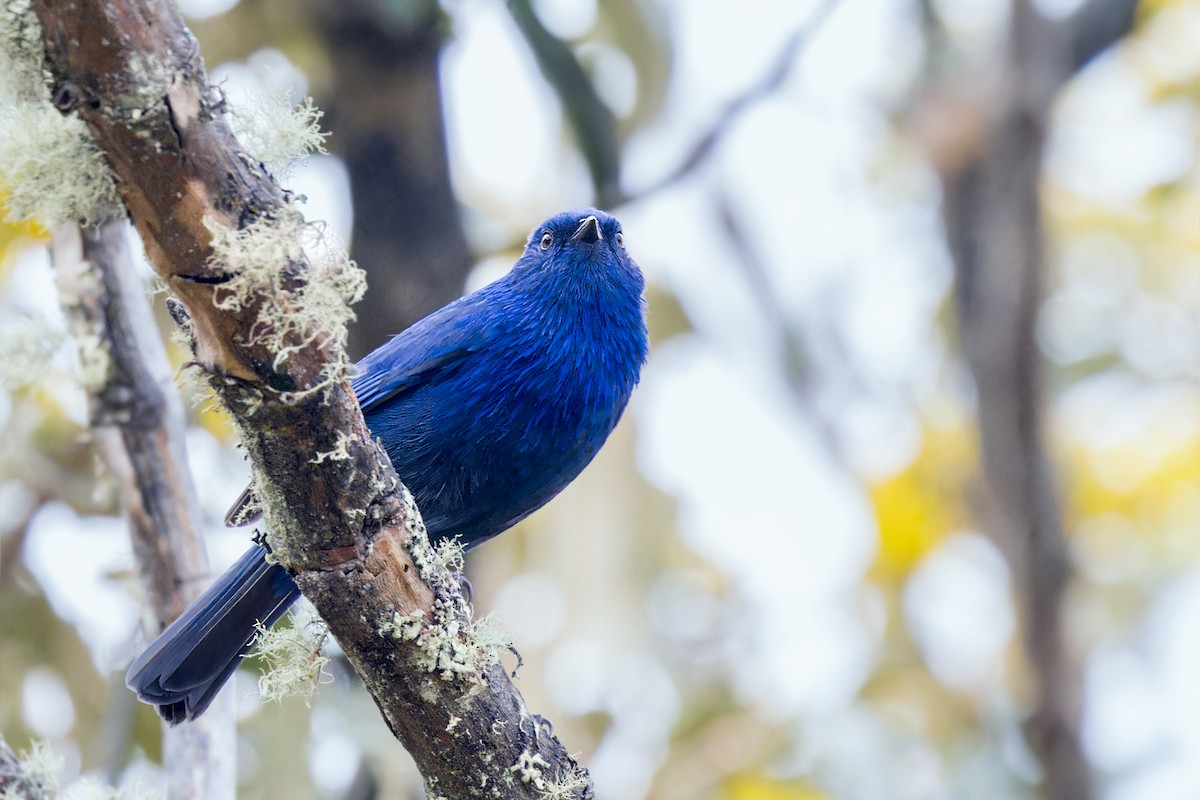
183 669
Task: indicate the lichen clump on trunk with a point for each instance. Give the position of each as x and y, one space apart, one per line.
50 168
294 310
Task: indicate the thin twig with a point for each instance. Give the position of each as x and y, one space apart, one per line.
768 84
797 369
994 229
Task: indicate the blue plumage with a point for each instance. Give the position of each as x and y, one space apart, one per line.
488 408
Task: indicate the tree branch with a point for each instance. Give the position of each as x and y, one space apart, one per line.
385 109
138 422
770 83
994 231
343 526
1095 26
590 117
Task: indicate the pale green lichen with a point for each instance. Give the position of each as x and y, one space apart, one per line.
95 362
295 666
563 787
451 554
405 627
532 769
276 133
51 168
529 768
291 314
22 57
451 648
37 771
26 347
151 80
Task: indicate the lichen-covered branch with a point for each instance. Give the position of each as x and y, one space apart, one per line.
137 419
270 341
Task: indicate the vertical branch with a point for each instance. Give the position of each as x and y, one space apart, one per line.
138 422
994 229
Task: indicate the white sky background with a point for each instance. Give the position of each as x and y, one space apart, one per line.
793 529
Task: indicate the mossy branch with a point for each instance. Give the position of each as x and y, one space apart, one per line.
270 339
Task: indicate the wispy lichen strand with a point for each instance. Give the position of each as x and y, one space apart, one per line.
51 168
291 313
295 666
275 132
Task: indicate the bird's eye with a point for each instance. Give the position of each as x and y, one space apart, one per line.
547 240
620 239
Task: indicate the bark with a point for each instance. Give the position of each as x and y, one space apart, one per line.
342 525
994 230
137 419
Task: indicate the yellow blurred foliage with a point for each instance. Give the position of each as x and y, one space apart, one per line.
760 787
13 232
1146 488
916 507
214 419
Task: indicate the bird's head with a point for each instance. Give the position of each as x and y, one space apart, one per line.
578 243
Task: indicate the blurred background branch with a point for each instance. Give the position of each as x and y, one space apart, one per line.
771 82
384 107
994 225
137 418
591 119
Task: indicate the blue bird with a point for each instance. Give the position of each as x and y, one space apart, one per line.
487 408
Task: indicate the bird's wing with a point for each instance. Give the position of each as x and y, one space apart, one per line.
419 355
410 359
381 384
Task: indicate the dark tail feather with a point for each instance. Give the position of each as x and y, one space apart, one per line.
184 668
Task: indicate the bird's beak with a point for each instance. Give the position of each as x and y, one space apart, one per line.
588 231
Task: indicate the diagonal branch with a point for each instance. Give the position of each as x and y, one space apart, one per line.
767 85
593 122
1095 26
344 527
